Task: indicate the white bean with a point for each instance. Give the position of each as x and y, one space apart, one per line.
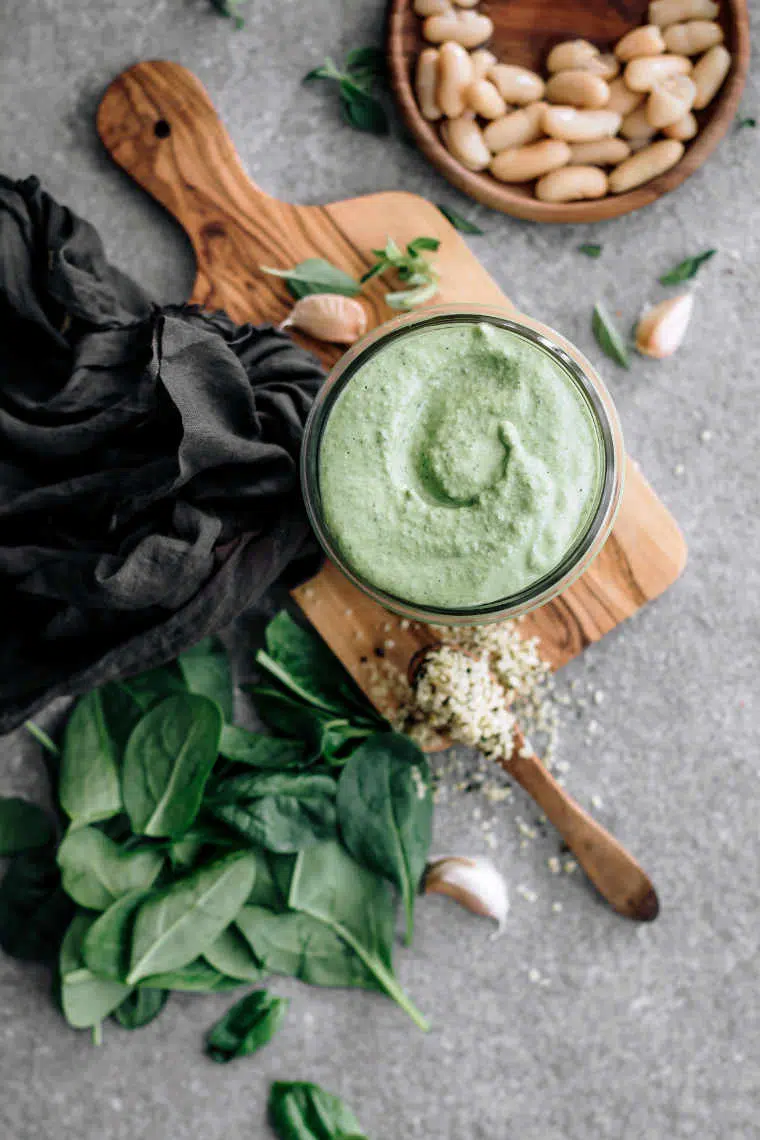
636 126
648 163
640 42
571 54
664 12
515 129
685 129
578 89
482 62
572 184
523 163
426 84
693 37
517 84
454 77
622 99
670 101
601 152
470 29
644 74
464 138
709 73
607 66
425 8
485 100
580 126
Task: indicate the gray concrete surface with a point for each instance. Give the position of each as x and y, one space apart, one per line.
639 1034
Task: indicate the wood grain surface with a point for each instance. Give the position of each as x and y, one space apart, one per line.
159 124
524 31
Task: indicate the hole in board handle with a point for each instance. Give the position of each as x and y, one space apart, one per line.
161 129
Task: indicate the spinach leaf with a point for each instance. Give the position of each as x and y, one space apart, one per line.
299 946
168 759
464 225
198 977
315 275
248 1025
150 687
299 1110
141 1007
177 924
107 944
324 734
687 269
121 712
23 826
280 812
34 909
95 871
85 999
256 750
206 670
267 889
608 336
385 812
231 955
89 788
329 886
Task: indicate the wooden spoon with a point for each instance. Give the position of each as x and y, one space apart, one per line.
613 870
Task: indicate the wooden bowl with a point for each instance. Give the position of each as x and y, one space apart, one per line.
524 31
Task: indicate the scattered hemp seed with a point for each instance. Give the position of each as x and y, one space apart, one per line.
705 435
557 907
526 893
554 864
570 866
679 469
598 697
596 801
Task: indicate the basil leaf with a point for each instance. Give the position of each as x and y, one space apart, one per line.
230 9
362 110
608 337
85 999
258 751
141 1007
150 687
196 977
34 908
315 275
302 947
206 671
299 1110
385 813
687 269
464 225
168 759
95 871
419 243
89 789
175 925
352 902
246 1027
366 59
106 947
280 812
591 249
23 826
232 956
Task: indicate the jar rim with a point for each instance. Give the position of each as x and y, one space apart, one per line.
592 537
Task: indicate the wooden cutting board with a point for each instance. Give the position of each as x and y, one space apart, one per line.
158 123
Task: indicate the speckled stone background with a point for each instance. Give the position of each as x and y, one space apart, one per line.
639 1033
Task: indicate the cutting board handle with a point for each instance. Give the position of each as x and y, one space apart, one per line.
158 123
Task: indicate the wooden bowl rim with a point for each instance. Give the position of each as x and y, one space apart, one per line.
485 189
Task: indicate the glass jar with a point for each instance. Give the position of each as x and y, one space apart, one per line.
609 437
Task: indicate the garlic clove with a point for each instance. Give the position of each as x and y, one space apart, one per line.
473 882
661 330
328 316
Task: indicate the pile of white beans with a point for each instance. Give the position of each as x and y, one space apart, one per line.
594 110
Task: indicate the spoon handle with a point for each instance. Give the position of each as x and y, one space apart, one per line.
613 871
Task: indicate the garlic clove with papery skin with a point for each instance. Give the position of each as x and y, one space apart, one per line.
473 882
661 330
328 316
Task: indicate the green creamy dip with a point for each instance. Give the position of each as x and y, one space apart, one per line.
459 465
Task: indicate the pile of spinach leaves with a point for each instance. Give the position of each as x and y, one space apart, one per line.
190 853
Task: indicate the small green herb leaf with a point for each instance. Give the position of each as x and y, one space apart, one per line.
747 121
302 1111
419 243
248 1025
230 9
687 269
458 221
141 1007
315 275
23 826
362 69
591 249
206 671
608 337
369 59
363 111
